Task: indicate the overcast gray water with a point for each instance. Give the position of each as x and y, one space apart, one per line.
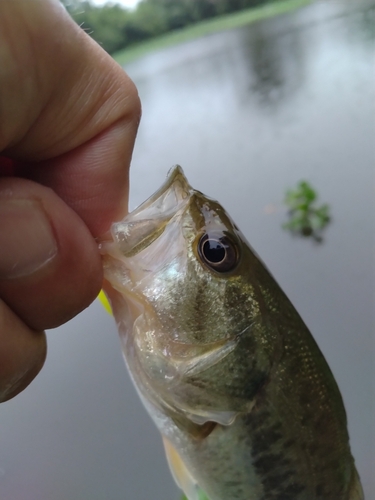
247 113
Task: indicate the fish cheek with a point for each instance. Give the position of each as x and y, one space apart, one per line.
232 384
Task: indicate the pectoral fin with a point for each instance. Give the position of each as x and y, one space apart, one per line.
355 491
180 472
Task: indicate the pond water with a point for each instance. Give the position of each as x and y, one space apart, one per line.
248 113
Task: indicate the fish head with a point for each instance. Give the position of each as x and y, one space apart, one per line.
190 294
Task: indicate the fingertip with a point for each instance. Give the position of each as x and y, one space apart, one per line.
22 353
93 179
50 267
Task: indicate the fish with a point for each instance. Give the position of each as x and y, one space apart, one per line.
244 399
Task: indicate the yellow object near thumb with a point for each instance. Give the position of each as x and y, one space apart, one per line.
105 303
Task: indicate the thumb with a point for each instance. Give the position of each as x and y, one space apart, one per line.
50 267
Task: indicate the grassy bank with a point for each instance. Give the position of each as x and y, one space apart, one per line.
221 23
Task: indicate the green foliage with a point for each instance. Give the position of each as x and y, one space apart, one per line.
204 28
148 21
107 25
225 6
305 217
115 28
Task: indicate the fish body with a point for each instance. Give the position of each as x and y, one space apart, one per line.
244 399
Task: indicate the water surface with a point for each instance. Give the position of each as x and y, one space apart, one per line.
250 112
247 113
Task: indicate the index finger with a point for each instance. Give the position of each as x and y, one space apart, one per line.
69 113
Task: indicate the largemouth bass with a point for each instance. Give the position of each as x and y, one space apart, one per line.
244 399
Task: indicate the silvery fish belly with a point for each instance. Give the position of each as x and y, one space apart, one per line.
244 399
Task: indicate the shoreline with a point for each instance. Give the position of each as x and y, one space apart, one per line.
204 28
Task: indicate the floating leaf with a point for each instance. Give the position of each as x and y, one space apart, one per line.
305 217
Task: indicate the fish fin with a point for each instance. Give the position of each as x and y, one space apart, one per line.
180 472
355 489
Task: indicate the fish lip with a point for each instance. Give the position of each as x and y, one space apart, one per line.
147 222
175 180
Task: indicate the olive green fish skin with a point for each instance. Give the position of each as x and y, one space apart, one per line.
295 437
226 367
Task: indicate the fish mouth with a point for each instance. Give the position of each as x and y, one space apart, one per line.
175 189
147 222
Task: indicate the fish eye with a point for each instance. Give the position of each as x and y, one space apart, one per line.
218 252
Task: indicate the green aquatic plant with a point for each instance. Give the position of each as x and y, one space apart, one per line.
306 218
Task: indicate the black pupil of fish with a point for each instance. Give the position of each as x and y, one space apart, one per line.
214 251
218 252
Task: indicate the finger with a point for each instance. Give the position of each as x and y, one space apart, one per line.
22 353
60 88
50 267
60 91
93 179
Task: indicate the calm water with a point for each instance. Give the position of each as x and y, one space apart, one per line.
247 113
250 112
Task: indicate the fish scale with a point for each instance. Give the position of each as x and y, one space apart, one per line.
243 397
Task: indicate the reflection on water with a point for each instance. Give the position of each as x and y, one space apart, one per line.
362 28
275 67
250 112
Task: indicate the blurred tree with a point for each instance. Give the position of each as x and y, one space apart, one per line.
226 6
71 5
107 25
177 14
203 9
114 27
148 20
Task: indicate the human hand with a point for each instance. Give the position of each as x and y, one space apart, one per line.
68 120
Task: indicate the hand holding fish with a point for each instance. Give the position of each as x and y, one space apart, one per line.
69 116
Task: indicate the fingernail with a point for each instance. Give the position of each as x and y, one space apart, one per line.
27 242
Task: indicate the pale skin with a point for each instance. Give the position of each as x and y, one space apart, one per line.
68 121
